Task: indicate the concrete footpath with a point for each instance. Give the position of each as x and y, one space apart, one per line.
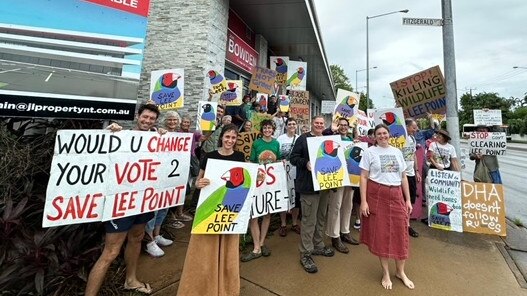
441 263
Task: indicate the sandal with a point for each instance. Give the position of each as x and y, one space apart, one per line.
145 288
296 228
250 256
412 232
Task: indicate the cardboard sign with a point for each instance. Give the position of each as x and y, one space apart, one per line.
290 171
486 143
347 106
99 176
328 164
279 64
299 106
444 200
296 75
353 155
394 119
225 204
206 120
271 193
232 96
283 103
262 100
216 82
327 107
487 117
263 80
421 93
484 208
364 123
244 143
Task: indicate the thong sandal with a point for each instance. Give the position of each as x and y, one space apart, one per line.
144 288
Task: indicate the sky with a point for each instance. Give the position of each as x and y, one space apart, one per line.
490 38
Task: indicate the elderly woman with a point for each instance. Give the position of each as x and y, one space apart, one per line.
441 154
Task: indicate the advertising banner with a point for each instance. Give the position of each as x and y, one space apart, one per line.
240 53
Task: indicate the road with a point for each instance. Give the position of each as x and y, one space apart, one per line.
513 169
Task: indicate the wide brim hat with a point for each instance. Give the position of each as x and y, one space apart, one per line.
444 133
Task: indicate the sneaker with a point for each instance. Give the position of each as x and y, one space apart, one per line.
412 232
296 228
282 231
154 250
185 218
163 242
325 251
357 224
265 251
176 224
347 238
308 264
339 246
250 256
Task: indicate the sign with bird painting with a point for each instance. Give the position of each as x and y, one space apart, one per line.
353 154
216 83
484 208
279 64
394 119
262 100
167 88
271 193
263 80
347 106
97 175
443 191
283 103
224 206
233 95
296 75
206 120
328 163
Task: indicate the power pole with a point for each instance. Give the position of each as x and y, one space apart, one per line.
449 59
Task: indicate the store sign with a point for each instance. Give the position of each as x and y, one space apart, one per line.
240 53
139 7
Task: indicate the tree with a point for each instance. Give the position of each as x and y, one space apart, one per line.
340 79
362 103
481 101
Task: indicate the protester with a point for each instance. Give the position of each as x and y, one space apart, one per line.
340 205
314 204
264 151
246 106
272 105
287 142
304 129
488 161
247 126
384 212
131 228
212 261
412 169
441 154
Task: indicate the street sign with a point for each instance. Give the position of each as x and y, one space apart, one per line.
422 21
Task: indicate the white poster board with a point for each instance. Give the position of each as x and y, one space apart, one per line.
327 107
328 164
487 117
443 192
271 194
394 119
486 143
167 88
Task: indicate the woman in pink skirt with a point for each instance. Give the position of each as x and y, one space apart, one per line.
384 211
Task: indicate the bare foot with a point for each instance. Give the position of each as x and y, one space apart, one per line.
386 282
406 281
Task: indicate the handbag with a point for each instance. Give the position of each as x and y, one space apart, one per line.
482 173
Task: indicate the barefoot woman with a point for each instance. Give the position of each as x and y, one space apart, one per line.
384 211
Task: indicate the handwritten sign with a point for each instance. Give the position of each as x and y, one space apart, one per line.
271 194
290 171
299 106
327 107
279 64
394 119
364 123
262 100
328 164
225 204
444 200
486 143
232 96
353 155
421 93
263 80
98 176
487 117
216 82
167 88
484 208
244 143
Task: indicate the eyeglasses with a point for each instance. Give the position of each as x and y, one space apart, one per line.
291 123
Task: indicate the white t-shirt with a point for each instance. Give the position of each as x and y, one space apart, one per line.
409 155
286 144
384 164
443 153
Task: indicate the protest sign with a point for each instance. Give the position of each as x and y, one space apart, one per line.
364 123
328 164
444 200
394 119
353 155
327 107
484 208
271 193
225 204
279 64
262 80
299 106
487 117
486 143
257 118
216 83
421 93
347 106
244 143
232 96
167 88
290 171
98 176
296 75
206 120
262 100
283 103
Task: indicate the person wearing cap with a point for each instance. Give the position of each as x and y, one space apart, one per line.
442 155
490 161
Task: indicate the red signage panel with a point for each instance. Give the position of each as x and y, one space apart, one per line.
139 7
240 53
